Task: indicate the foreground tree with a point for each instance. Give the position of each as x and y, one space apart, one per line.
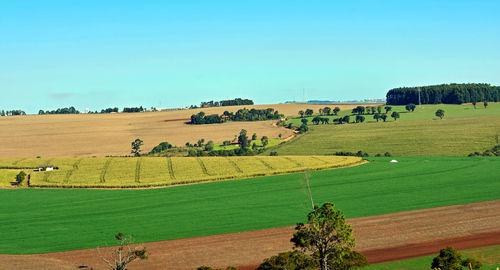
327 110
136 147
243 140
336 110
265 141
451 259
326 235
485 104
395 115
309 112
124 254
291 260
387 109
301 112
440 113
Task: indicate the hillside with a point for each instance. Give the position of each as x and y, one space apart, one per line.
84 135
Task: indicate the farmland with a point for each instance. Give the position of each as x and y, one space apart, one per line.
151 171
378 187
87 135
462 131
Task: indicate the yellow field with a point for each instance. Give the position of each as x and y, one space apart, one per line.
88 135
160 171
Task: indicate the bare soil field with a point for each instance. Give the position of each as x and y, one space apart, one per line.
381 238
85 135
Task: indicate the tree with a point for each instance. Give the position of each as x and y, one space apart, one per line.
209 146
440 113
360 119
303 128
379 109
320 111
243 140
316 120
359 110
301 112
451 259
265 141
485 104
327 110
254 137
124 254
136 147
345 119
326 235
395 115
410 107
387 109
336 110
304 121
291 260
383 117
376 116
20 177
309 112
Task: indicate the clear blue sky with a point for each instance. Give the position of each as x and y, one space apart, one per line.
98 54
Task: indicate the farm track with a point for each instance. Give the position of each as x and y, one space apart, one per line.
381 238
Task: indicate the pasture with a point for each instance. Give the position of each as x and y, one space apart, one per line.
42 220
7 176
462 131
87 135
156 171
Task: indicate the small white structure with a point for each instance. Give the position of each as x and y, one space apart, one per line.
394 161
49 168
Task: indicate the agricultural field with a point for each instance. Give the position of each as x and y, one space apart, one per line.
463 130
487 255
258 142
42 220
7 176
87 135
155 171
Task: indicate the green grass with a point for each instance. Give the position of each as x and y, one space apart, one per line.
48 220
462 131
489 256
7 176
272 142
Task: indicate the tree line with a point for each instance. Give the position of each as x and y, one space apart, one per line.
444 93
70 110
240 115
12 112
222 103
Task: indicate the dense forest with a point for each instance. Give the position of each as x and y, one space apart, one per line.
444 93
229 102
240 115
70 110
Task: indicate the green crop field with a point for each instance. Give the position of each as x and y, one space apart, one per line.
47 220
489 256
463 130
156 171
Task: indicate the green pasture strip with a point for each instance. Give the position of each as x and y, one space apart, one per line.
489 256
7 176
271 142
49 220
448 137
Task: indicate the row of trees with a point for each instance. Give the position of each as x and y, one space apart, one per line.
133 109
444 93
240 115
12 112
229 102
347 119
325 110
70 110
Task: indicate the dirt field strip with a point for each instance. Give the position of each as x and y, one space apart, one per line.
381 238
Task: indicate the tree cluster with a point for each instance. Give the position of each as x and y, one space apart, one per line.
70 110
444 93
160 148
133 109
451 259
229 102
240 115
110 110
495 151
12 112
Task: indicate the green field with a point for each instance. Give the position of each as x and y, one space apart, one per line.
489 256
7 176
463 130
272 142
157 171
47 220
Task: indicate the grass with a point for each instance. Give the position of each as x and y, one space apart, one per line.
272 143
462 131
43 220
7 176
155 171
489 256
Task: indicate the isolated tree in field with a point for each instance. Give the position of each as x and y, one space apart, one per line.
309 112
301 113
243 140
265 141
326 235
383 117
136 147
387 109
327 110
124 254
336 110
360 119
395 115
440 113
254 137
410 107
451 259
485 104
304 121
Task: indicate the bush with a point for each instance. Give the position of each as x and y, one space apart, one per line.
273 153
20 177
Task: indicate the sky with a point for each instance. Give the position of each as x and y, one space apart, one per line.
99 54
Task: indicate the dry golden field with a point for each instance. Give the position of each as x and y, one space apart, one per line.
86 135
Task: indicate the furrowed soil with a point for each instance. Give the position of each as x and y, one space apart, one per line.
381 238
84 135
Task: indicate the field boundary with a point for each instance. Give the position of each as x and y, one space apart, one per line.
208 180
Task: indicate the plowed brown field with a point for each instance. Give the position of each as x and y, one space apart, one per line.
381 238
86 135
